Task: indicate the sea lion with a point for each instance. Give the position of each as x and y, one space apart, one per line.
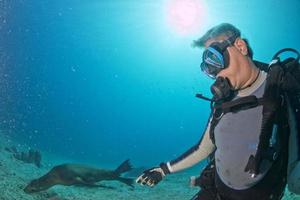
75 174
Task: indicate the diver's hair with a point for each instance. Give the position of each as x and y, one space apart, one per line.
225 30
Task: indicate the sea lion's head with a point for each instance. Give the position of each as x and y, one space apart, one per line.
35 186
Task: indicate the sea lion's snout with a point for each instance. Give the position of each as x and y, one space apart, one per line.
32 187
28 189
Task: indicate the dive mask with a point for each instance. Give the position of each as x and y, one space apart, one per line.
216 57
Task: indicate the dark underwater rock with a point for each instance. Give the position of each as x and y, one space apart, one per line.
12 149
31 156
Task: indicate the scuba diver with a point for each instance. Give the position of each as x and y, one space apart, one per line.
247 135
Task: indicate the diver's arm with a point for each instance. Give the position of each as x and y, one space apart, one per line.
197 153
194 155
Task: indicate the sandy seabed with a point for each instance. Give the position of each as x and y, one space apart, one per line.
15 175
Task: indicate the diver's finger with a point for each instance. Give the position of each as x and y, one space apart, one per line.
149 182
143 181
139 179
146 180
152 184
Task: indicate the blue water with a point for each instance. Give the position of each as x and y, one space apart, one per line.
101 81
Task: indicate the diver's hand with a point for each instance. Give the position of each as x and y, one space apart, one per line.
154 175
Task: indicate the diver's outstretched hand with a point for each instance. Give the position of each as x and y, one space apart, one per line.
153 176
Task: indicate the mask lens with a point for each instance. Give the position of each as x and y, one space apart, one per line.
212 62
210 70
213 57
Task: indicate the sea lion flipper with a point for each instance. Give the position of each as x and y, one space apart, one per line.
127 181
82 181
88 184
124 167
98 186
106 187
94 185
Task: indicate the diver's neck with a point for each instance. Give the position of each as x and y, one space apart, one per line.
256 79
253 72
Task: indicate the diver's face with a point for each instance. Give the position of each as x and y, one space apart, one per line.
234 71
33 187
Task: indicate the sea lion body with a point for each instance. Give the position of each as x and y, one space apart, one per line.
76 174
72 173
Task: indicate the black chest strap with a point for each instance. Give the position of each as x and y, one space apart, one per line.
234 106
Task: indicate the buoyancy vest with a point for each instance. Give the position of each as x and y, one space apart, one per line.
282 91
